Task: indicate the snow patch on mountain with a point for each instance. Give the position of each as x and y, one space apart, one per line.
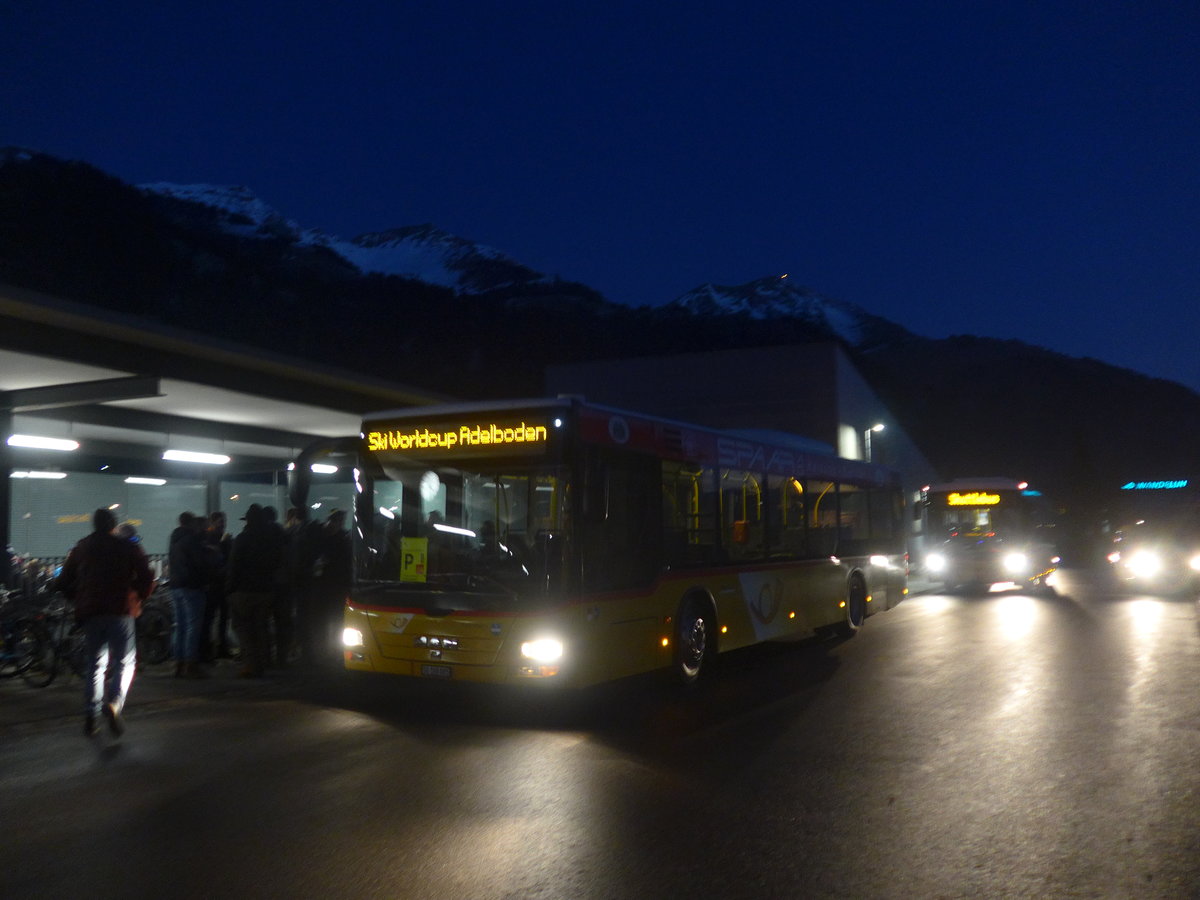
777 297
435 256
421 252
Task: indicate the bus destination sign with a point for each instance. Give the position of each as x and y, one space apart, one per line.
972 498
453 436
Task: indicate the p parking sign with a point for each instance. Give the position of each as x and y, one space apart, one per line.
414 557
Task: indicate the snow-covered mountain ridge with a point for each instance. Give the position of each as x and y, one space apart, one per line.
422 252
434 256
779 297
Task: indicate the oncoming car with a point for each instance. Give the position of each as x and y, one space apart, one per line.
1161 557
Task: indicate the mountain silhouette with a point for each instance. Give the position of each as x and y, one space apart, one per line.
418 305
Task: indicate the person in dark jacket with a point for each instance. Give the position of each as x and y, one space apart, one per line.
191 568
106 578
304 538
255 560
214 634
335 572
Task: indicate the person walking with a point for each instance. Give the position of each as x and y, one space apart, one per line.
255 560
106 578
190 570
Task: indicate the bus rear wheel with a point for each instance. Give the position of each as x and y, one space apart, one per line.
692 645
856 607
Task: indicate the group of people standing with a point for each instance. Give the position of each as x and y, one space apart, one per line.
281 587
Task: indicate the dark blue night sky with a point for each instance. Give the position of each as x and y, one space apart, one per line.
1010 169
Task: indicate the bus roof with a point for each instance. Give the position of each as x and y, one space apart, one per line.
977 484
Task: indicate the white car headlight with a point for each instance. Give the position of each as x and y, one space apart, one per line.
1144 563
935 562
352 637
1194 563
1016 563
543 650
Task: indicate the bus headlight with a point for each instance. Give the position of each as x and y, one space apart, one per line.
935 562
352 637
1015 563
1144 564
1194 563
543 650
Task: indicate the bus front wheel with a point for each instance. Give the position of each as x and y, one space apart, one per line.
692 640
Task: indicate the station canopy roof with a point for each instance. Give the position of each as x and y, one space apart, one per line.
127 389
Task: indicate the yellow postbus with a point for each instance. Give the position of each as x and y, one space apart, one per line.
985 533
561 542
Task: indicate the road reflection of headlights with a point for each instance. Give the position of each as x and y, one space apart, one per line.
935 562
1144 564
1015 563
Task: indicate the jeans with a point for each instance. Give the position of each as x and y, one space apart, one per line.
189 619
111 644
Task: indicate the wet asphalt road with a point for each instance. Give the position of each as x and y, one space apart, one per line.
1004 746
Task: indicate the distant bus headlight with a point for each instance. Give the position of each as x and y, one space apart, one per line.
1145 564
352 637
1015 563
543 650
935 562
1194 563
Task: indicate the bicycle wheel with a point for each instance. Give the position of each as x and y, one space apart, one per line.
72 652
20 641
43 662
153 636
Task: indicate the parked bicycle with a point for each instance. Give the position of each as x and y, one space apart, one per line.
20 637
154 627
61 646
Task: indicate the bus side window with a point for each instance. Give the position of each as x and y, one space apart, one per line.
622 549
854 521
785 516
689 515
743 501
822 515
887 518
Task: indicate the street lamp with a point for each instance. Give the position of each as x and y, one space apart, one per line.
867 439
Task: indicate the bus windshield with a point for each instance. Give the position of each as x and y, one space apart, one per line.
483 528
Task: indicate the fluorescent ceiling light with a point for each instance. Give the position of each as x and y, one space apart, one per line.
157 482
451 529
41 443
213 459
52 475
318 468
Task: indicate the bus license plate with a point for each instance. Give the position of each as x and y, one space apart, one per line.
435 671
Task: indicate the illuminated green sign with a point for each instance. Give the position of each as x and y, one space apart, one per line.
1155 485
